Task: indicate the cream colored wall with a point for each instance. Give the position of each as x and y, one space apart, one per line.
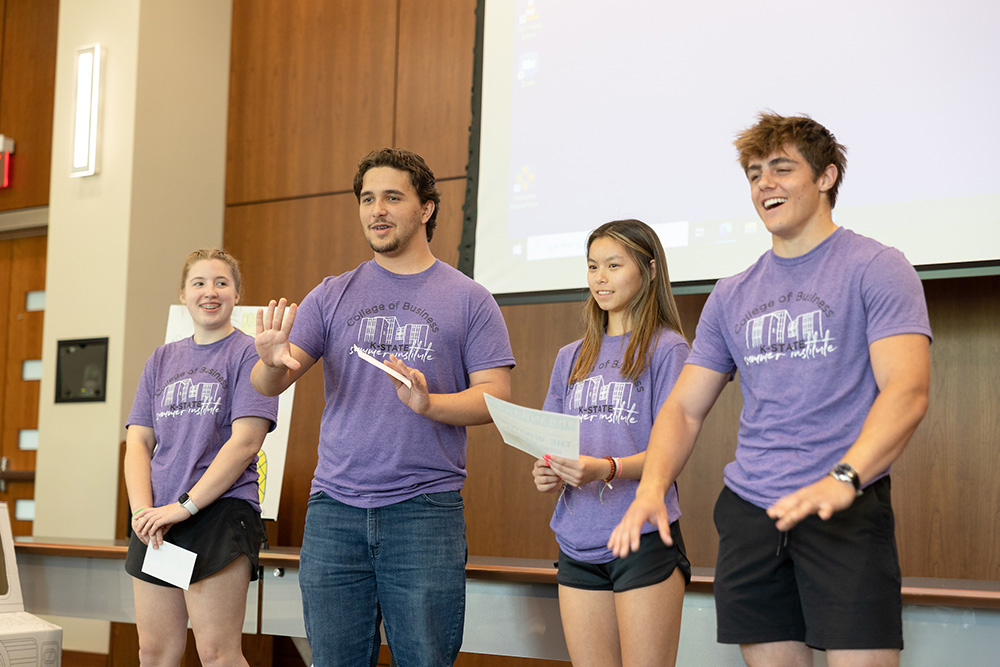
117 240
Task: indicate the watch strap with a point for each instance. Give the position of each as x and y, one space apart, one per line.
188 504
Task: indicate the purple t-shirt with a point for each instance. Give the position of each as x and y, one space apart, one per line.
798 331
190 394
373 450
616 416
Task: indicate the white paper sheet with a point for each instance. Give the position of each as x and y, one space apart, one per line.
171 563
378 364
535 431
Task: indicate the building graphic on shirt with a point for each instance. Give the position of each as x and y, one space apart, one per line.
612 401
778 334
185 395
387 335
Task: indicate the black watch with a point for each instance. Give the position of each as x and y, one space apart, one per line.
188 504
845 472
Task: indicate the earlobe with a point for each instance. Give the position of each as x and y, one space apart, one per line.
652 269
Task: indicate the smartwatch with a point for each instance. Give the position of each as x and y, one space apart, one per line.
845 472
188 504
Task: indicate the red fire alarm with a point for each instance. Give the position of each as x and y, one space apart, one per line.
6 150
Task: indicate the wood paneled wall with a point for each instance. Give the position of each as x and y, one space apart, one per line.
315 85
27 89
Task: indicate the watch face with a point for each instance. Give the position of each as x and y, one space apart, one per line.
183 499
845 473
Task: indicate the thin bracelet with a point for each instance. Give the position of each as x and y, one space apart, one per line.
138 510
618 467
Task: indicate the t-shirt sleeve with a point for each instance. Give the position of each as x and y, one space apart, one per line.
894 297
671 355
559 379
247 401
141 413
309 330
488 343
710 349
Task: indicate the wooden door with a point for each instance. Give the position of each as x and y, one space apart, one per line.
22 285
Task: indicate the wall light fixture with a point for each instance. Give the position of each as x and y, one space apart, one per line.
88 87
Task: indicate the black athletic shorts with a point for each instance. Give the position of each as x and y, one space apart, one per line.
831 584
219 534
652 563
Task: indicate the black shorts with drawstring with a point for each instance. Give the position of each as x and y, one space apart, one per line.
832 584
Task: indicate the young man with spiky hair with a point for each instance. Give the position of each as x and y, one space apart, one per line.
385 529
834 367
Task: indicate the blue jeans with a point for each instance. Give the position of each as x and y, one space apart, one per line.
403 563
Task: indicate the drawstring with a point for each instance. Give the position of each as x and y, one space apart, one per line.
782 542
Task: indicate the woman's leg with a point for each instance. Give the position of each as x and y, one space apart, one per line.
161 620
217 606
649 622
590 626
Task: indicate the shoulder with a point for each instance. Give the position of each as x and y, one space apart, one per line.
336 283
324 297
239 344
668 341
724 287
864 249
163 353
670 337
875 260
453 277
568 352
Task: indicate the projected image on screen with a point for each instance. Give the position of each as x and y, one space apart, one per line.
595 111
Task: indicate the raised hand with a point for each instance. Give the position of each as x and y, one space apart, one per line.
271 340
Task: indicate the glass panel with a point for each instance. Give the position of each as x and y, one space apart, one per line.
24 510
27 439
31 369
34 301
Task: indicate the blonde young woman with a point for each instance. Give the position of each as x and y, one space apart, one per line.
617 611
194 431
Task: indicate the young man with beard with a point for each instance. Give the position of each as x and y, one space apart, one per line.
385 530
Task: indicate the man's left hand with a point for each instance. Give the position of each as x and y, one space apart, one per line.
823 498
416 396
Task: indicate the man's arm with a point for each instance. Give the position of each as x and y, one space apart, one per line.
463 408
902 368
281 363
670 444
